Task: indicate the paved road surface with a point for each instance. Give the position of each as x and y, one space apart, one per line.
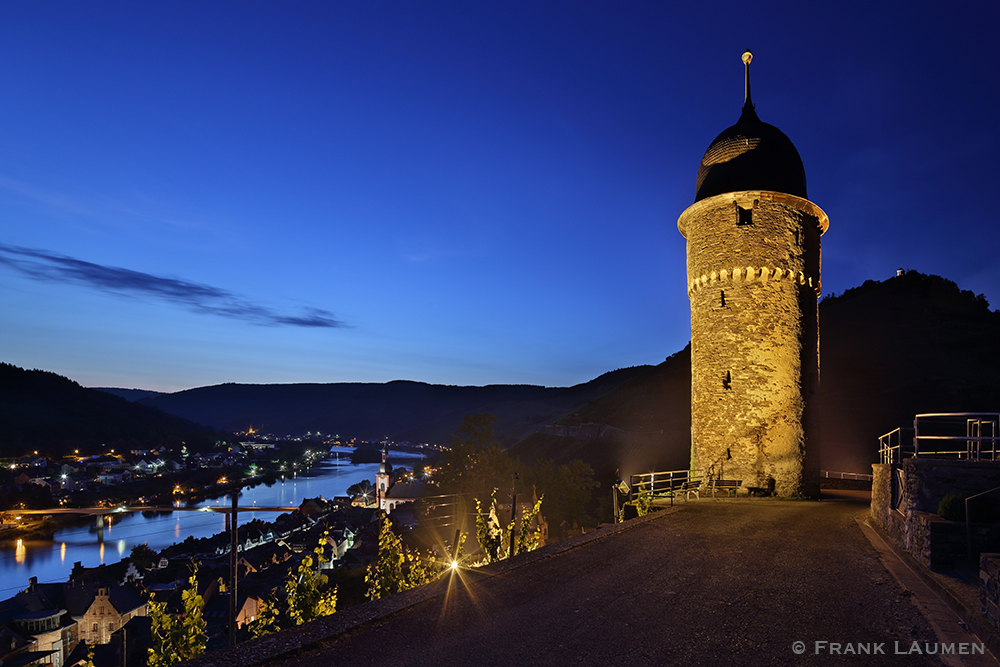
715 582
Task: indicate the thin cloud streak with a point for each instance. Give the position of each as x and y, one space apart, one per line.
51 267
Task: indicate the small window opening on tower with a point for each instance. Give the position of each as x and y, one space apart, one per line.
722 293
727 382
744 216
796 237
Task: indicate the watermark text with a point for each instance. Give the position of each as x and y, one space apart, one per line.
823 647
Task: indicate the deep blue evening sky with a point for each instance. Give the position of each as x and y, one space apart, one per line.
462 193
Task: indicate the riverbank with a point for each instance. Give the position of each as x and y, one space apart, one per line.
187 490
50 557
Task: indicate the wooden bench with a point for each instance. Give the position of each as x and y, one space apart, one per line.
730 485
689 487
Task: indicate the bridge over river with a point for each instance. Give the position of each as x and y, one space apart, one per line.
101 512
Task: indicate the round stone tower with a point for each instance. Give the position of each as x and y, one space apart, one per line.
753 260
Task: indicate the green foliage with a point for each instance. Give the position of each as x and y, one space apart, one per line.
568 489
459 549
952 507
494 538
643 502
419 571
162 653
396 568
266 621
527 539
178 639
142 556
385 574
361 488
489 532
476 463
981 510
306 597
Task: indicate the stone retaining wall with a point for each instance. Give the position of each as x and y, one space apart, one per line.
929 480
989 588
937 543
941 544
888 519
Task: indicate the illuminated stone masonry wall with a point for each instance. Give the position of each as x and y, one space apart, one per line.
753 281
937 543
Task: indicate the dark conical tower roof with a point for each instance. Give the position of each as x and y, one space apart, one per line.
751 155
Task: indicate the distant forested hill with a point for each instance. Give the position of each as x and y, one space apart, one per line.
44 411
129 394
889 350
401 410
642 425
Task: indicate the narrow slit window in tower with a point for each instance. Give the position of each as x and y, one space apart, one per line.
727 382
722 293
744 216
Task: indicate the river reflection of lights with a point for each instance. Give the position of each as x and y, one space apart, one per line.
20 552
102 552
121 547
51 560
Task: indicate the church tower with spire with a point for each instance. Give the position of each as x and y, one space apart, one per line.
383 480
753 266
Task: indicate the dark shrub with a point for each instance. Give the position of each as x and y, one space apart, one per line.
952 507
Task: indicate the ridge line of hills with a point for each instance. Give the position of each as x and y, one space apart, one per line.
400 409
890 349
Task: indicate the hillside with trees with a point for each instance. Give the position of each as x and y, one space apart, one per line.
40 410
401 410
891 349
912 344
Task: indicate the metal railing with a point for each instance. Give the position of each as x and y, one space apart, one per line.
895 445
965 436
826 474
659 484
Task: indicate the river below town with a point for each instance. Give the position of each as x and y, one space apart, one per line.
52 559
